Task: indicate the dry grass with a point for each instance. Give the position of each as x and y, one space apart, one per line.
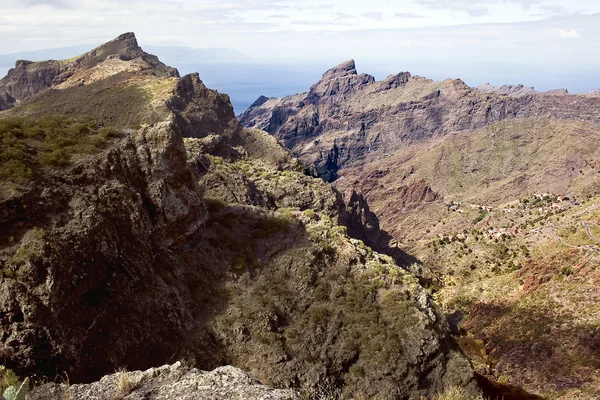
415 89
125 385
454 393
122 100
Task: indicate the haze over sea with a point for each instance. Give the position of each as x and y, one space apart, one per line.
246 82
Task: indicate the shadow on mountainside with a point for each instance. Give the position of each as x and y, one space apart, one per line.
536 344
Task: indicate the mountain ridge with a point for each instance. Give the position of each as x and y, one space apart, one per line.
417 107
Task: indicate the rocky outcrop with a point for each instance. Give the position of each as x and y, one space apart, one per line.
507 90
337 83
187 237
170 382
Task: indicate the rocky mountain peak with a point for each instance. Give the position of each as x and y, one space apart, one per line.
124 45
344 69
260 101
127 36
20 63
337 82
507 90
120 55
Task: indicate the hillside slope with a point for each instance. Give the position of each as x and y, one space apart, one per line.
140 224
490 188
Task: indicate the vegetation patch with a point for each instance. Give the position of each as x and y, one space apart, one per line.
118 101
28 144
7 378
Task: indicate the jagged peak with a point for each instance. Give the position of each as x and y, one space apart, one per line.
23 63
344 69
394 81
124 46
507 90
259 102
558 92
126 36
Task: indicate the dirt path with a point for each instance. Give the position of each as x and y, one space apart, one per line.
550 231
589 231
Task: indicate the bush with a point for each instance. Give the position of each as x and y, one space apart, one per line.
310 213
482 214
214 205
7 378
16 171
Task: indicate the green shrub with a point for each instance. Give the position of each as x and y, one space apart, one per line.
310 213
16 171
57 158
272 224
30 143
214 205
480 216
7 378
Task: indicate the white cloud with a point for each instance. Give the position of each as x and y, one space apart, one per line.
568 34
313 29
373 15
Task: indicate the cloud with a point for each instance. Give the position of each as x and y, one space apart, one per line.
319 23
553 9
266 28
373 15
473 8
342 15
568 34
51 3
405 15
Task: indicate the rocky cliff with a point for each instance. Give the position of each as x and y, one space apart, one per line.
142 225
120 55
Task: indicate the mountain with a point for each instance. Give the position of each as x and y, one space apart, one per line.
142 225
493 189
392 113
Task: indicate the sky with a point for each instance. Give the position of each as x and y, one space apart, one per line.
478 39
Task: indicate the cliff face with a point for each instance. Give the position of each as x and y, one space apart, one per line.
139 235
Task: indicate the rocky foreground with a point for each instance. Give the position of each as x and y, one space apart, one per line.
168 383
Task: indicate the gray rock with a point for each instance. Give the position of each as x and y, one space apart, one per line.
170 382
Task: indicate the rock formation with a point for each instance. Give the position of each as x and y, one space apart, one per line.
122 54
168 382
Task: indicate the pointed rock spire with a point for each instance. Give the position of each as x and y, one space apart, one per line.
343 69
